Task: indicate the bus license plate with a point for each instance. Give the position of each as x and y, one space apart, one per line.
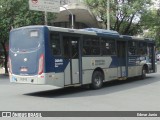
23 79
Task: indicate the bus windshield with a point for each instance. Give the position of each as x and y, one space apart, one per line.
25 39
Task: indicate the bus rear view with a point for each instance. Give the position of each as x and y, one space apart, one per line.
26 55
66 57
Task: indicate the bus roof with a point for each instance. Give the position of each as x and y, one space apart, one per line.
28 27
127 37
102 31
89 31
69 30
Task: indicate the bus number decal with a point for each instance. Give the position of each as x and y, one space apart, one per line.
58 62
97 62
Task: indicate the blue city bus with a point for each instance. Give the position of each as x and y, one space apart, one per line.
66 57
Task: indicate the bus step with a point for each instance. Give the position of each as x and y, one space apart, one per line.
74 85
122 78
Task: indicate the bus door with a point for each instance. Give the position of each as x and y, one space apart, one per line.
122 61
151 53
71 54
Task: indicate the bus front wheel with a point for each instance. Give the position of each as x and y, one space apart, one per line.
97 80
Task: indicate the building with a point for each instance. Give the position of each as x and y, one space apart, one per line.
83 17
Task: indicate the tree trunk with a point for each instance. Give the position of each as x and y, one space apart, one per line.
126 31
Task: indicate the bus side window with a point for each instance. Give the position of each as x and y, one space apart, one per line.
74 45
91 45
55 43
142 48
132 48
66 46
108 47
84 51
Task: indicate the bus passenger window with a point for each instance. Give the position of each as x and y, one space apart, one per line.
84 51
108 47
74 51
142 48
91 45
66 46
132 49
55 43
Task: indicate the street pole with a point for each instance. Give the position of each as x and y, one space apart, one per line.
45 18
108 15
72 24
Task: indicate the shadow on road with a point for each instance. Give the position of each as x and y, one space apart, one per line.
108 88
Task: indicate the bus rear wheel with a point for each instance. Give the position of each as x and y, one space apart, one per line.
97 80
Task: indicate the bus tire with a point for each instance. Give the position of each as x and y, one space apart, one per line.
97 80
144 72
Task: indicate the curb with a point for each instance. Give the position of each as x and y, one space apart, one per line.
4 75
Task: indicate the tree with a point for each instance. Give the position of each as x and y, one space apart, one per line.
16 13
151 23
124 14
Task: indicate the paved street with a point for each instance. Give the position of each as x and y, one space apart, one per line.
131 95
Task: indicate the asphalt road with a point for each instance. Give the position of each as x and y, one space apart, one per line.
130 95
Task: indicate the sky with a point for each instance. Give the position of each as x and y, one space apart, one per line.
156 4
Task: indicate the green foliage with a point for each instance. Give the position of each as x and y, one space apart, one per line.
124 14
151 21
129 17
16 13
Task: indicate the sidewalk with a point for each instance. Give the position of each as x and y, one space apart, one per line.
2 73
2 70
